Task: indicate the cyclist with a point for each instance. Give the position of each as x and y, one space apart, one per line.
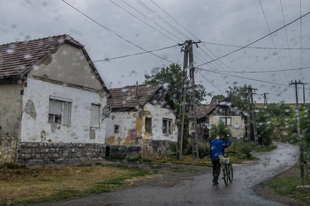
217 148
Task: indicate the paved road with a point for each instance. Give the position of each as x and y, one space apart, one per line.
199 190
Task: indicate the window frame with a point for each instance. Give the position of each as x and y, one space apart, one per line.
225 122
148 129
66 107
167 127
116 127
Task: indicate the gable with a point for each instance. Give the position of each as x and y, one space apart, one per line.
67 64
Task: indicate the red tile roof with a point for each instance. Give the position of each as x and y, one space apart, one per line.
17 58
202 111
126 96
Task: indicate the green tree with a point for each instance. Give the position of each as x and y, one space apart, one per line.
172 75
238 95
220 96
221 130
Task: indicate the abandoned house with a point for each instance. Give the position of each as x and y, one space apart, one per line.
142 115
220 110
51 101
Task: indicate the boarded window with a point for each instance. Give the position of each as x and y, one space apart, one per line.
148 125
167 126
59 112
95 116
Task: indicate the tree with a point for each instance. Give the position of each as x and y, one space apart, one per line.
172 75
221 130
238 95
220 96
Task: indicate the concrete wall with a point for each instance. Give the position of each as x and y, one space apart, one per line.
7 149
38 154
68 64
35 128
237 132
10 109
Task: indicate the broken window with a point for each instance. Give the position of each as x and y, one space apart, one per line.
95 116
148 125
116 129
167 126
226 120
59 112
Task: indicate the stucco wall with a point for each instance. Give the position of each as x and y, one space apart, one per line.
132 125
10 109
237 132
37 129
68 64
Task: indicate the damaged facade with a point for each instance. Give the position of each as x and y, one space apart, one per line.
220 110
142 115
51 102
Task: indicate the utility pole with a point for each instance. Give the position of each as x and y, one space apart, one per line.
301 155
193 120
253 116
182 102
248 136
265 99
303 86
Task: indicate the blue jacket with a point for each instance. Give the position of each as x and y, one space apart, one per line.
217 148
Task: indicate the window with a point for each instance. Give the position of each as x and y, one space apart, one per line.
116 129
167 126
59 112
148 125
95 116
226 120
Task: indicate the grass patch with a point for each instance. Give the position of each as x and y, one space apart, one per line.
176 169
36 185
155 166
287 187
261 148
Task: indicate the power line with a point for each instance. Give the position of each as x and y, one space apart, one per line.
249 47
210 82
116 33
287 38
129 55
256 40
300 38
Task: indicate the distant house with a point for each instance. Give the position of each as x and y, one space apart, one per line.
220 110
142 115
51 101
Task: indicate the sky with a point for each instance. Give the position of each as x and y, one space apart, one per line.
111 29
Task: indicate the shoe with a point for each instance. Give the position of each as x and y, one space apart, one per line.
215 183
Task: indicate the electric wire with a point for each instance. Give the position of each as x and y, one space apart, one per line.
256 40
210 82
143 21
116 33
289 51
300 38
272 39
129 55
278 48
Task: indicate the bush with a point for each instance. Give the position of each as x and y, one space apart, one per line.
173 147
204 150
221 130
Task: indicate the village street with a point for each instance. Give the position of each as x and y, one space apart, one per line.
199 190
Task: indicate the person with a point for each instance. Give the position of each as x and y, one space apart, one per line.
217 148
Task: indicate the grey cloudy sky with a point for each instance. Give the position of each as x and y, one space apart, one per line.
221 25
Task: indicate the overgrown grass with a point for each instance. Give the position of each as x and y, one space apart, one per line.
287 187
26 186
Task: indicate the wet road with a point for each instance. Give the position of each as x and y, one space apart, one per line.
200 191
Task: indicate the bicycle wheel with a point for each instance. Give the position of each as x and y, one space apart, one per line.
225 175
231 172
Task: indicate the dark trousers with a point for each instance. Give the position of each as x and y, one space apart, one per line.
216 169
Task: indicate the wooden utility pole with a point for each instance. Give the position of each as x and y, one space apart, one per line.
248 136
253 116
182 103
303 87
265 99
301 155
193 120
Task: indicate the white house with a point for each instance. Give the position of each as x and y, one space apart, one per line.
51 101
142 115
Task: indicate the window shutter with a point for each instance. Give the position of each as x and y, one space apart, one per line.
95 116
55 107
67 113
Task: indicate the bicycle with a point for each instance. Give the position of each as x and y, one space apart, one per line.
228 171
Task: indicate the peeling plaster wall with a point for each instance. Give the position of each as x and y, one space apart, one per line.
7 149
127 128
10 109
68 64
39 130
158 114
237 132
